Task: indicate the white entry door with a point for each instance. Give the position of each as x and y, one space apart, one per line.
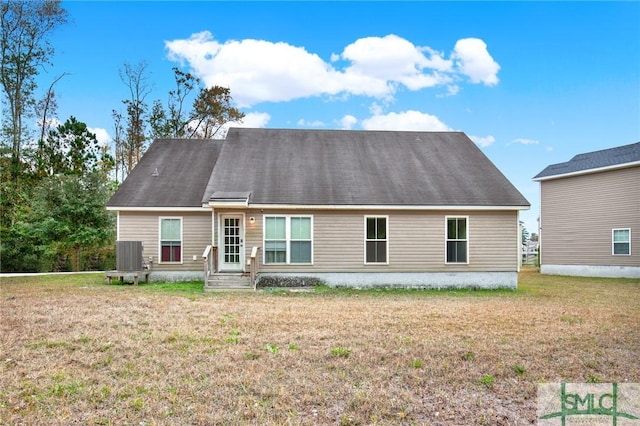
231 243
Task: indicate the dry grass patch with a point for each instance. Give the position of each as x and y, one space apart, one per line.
76 351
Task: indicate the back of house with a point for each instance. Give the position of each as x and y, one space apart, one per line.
346 208
590 214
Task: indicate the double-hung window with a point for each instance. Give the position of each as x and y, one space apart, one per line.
300 239
171 239
457 240
621 241
288 239
376 239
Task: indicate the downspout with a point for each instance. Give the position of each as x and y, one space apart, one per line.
213 237
118 225
540 226
519 248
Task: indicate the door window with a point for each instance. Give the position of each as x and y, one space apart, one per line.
232 240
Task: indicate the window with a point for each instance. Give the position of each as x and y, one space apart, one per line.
170 240
376 240
457 240
621 241
288 239
300 240
275 240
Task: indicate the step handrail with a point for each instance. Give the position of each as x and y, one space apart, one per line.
253 266
210 257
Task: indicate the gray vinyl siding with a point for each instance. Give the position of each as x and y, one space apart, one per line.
578 214
144 226
416 241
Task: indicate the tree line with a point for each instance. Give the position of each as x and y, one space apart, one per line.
55 176
211 108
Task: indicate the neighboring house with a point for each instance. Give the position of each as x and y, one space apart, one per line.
349 208
529 250
590 214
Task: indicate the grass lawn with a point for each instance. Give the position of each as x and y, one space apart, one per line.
76 351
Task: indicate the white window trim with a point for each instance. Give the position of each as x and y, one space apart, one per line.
287 225
160 219
613 253
386 217
286 240
446 239
118 226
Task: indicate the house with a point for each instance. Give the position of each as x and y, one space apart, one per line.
590 214
529 251
347 208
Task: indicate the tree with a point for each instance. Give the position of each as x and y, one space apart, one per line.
15 249
525 233
159 122
173 122
25 48
71 149
46 110
68 217
211 110
118 142
135 78
63 225
62 222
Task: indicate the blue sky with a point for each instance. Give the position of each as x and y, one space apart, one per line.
532 83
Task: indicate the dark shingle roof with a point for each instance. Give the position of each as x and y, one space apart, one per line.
594 160
344 167
183 170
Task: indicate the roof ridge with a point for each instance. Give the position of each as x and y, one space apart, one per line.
593 160
284 129
599 151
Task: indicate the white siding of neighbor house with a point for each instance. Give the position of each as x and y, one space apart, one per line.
144 226
579 212
416 241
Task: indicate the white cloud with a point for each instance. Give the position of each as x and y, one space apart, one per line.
256 70
452 90
474 61
393 59
310 123
483 142
347 122
523 141
101 134
52 122
253 120
437 61
406 120
307 123
375 109
263 71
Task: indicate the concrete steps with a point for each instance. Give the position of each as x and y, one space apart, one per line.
228 281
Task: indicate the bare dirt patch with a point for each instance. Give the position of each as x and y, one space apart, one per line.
76 351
